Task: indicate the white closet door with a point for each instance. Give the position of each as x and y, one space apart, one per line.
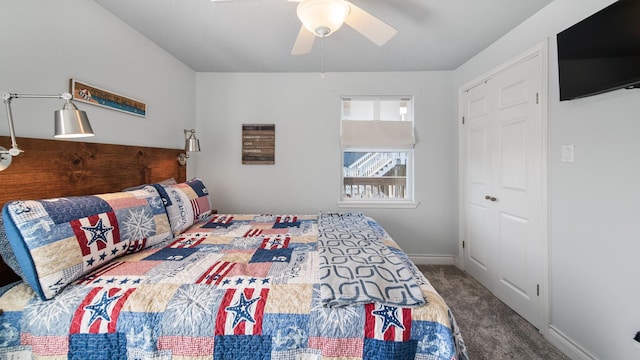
478 177
503 186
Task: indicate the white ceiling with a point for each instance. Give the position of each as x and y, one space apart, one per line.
257 35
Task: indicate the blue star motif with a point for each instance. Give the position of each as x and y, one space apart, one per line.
241 310
276 242
265 281
252 280
388 315
103 256
57 286
100 310
99 232
239 281
90 262
114 251
226 282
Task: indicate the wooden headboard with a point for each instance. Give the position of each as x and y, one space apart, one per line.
55 168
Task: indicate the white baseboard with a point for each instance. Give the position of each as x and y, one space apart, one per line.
568 346
433 259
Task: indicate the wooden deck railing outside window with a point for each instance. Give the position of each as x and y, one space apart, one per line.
394 187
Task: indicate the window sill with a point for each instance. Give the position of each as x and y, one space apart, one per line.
379 204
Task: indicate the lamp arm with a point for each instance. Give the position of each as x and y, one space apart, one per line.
6 98
15 150
65 96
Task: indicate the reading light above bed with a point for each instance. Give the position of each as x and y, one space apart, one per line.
191 143
68 123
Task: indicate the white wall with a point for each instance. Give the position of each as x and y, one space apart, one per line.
594 202
306 175
46 43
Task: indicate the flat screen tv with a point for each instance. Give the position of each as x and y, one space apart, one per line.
601 53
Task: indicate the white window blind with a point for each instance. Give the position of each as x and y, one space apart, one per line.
378 134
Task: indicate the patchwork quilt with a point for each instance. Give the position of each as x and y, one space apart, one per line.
231 286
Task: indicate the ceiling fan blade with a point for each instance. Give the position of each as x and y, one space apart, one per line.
304 42
370 26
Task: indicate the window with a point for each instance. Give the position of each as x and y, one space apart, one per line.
377 151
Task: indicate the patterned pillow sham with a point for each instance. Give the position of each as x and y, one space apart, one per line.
56 241
185 203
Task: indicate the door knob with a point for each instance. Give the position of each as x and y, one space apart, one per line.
490 198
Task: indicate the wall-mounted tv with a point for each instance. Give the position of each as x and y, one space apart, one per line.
601 53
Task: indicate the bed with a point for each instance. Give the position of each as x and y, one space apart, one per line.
155 273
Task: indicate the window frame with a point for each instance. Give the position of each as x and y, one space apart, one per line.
409 201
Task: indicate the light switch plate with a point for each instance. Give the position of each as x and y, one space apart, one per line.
568 152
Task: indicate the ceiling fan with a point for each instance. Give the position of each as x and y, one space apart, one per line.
321 18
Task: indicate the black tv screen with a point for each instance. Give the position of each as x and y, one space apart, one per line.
601 53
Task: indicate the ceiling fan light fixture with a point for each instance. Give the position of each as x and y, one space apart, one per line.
322 17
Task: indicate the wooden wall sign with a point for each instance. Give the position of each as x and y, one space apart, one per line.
94 95
259 144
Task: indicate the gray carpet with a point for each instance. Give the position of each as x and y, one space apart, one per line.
490 329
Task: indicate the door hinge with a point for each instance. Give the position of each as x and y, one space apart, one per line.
463 244
463 120
538 289
537 98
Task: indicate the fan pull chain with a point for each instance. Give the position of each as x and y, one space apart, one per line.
322 58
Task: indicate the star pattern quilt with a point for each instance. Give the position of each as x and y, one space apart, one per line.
241 287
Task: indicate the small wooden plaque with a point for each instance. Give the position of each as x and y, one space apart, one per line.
259 144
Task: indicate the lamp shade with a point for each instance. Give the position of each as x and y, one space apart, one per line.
71 122
192 143
322 17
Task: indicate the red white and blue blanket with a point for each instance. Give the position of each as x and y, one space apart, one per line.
242 287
